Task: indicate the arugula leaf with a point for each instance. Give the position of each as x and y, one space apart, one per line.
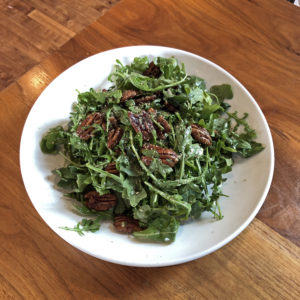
133 191
103 215
68 176
194 81
223 91
184 208
52 140
82 181
127 165
140 64
85 225
162 229
157 167
196 95
148 84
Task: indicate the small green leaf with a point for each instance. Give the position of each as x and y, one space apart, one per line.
162 229
133 190
52 140
223 91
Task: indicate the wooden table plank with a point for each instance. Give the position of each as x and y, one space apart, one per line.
35 263
32 29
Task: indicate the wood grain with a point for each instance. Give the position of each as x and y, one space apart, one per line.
32 29
258 42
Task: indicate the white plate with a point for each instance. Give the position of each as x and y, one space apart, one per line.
247 184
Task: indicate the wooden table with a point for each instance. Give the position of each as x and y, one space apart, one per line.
259 43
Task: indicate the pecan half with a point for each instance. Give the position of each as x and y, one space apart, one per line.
113 121
128 94
145 99
151 110
167 156
125 224
85 128
114 137
201 135
169 107
142 123
100 203
147 160
163 122
152 71
111 168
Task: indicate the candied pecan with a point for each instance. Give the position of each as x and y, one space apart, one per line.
167 156
147 126
145 99
113 121
111 168
163 122
201 135
147 160
152 71
114 137
134 121
142 123
128 94
93 118
103 125
160 133
125 224
100 202
151 110
169 107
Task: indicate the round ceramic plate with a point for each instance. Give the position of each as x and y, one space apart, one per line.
247 184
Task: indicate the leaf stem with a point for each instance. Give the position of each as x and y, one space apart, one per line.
171 198
139 159
70 161
98 170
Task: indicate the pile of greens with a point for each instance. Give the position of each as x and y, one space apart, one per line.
160 197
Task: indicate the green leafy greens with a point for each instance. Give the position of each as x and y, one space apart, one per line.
159 195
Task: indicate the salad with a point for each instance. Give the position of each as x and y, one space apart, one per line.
151 151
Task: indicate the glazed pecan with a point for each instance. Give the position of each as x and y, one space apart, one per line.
169 107
151 110
113 121
100 203
201 135
147 126
142 123
167 156
152 71
125 224
147 160
114 137
85 128
145 99
111 168
128 94
163 122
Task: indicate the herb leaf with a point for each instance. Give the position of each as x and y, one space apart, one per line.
223 91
